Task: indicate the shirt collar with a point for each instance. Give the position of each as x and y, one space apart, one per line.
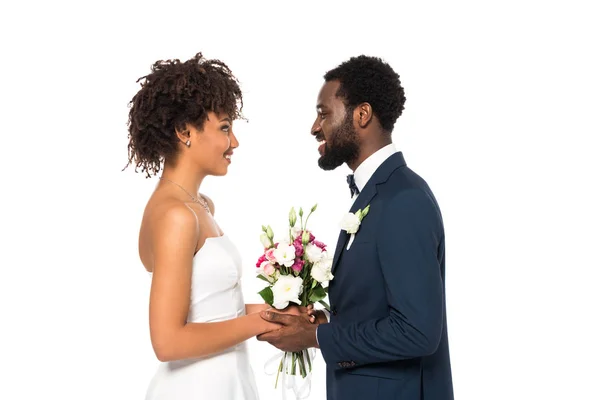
368 167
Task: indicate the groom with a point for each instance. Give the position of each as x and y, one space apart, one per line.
386 337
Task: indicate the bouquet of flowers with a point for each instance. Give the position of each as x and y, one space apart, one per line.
297 269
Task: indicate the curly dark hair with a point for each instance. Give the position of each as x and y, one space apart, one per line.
370 80
174 94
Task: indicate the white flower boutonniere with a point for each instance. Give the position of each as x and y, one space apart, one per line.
351 223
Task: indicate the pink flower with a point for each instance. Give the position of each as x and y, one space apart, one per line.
268 268
320 245
299 248
261 260
298 265
299 237
269 255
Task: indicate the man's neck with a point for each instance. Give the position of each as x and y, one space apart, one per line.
367 150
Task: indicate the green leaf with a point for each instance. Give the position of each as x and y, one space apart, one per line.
315 283
267 295
263 278
313 208
324 304
366 211
317 294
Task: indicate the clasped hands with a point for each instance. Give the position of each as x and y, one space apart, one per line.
297 327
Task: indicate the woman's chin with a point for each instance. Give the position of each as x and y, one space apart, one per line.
220 171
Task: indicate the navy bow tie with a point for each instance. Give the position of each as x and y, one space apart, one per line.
353 188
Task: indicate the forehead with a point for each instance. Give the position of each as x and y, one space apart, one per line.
327 95
218 116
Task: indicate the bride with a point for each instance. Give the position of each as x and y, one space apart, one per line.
180 122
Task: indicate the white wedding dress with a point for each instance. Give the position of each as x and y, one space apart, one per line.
216 296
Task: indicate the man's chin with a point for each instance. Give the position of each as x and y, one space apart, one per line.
328 164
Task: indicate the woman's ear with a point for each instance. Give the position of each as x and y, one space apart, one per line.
183 134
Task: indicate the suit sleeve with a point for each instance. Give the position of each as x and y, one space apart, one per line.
408 240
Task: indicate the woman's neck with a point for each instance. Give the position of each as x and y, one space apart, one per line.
183 177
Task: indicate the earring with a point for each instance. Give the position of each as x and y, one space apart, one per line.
188 143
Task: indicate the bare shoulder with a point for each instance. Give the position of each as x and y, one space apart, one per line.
169 225
171 216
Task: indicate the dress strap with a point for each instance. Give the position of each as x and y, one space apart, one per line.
197 226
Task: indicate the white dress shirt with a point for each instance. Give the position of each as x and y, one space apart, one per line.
363 173
367 168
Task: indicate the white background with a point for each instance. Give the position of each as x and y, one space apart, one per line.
501 119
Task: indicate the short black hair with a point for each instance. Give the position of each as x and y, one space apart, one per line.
370 80
174 94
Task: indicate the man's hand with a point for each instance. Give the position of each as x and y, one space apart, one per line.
317 316
300 311
296 333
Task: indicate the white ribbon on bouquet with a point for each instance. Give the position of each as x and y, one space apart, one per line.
300 386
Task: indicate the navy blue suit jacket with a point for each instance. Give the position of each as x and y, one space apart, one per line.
387 337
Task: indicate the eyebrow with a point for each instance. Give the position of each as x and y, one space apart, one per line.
227 119
320 105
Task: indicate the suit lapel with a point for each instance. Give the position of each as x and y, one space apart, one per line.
341 243
363 199
381 175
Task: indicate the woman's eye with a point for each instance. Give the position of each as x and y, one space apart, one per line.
226 128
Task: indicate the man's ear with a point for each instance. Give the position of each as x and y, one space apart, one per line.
363 114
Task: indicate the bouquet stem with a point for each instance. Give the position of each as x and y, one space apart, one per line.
280 369
300 359
302 366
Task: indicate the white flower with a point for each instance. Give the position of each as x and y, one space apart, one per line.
285 254
296 231
264 239
283 240
314 253
321 271
350 223
287 289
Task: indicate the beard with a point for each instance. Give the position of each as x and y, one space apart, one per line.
342 146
